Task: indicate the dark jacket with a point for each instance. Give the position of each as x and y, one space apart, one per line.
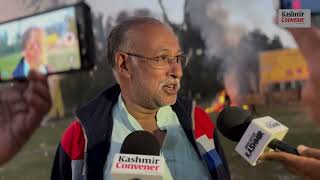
19 70
84 146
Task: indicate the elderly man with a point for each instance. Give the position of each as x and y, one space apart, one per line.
147 63
308 164
22 107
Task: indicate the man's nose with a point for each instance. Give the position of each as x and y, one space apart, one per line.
175 70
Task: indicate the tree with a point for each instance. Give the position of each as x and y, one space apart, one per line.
245 58
200 77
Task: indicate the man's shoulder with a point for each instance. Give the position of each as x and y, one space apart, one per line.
103 101
73 141
201 115
203 123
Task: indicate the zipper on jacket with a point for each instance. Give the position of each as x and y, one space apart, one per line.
84 170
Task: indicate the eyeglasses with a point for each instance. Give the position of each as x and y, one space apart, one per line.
162 61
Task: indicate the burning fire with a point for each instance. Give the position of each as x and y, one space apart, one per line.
221 101
230 96
245 107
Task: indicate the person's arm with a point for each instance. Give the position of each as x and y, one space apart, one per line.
308 40
307 165
22 107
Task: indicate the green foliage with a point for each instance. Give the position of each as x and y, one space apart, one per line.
8 64
7 49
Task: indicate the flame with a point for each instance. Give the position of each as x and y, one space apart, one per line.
222 97
245 107
218 104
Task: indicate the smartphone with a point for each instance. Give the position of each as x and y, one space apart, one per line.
313 5
51 42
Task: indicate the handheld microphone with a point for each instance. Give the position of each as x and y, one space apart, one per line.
138 158
255 135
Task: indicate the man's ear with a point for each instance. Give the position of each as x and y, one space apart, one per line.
121 65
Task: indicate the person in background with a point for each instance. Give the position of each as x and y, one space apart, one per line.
33 53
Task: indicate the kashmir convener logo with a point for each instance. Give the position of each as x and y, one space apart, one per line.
294 18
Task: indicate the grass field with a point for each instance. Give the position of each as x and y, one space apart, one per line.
59 59
35 160
8 64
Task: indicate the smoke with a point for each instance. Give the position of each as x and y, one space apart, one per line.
222 39
220 36
212 18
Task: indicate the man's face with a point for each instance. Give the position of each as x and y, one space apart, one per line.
34 49
311 99
152 86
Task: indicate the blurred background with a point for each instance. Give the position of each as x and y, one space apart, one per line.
237 56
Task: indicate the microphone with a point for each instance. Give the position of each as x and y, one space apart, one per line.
139 158
255 135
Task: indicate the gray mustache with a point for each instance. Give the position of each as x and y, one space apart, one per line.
170 81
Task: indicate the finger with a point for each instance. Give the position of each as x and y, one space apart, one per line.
19 107
309 152
291 161
285 158
34 118
273 156
20 86
22 127
11 95
38 103
302 34
39 88
44 82
34 75
279 157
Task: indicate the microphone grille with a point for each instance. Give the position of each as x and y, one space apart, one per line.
140 142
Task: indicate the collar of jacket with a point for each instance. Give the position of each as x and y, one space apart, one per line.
96 119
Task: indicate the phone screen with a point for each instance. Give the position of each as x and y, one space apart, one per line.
47 43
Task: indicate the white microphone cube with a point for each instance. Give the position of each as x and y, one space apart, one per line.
258 135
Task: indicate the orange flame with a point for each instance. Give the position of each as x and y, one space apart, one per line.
218 104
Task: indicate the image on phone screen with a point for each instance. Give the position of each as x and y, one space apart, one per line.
47 43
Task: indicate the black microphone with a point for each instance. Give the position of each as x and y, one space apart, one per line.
139 158
140 142
253 134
